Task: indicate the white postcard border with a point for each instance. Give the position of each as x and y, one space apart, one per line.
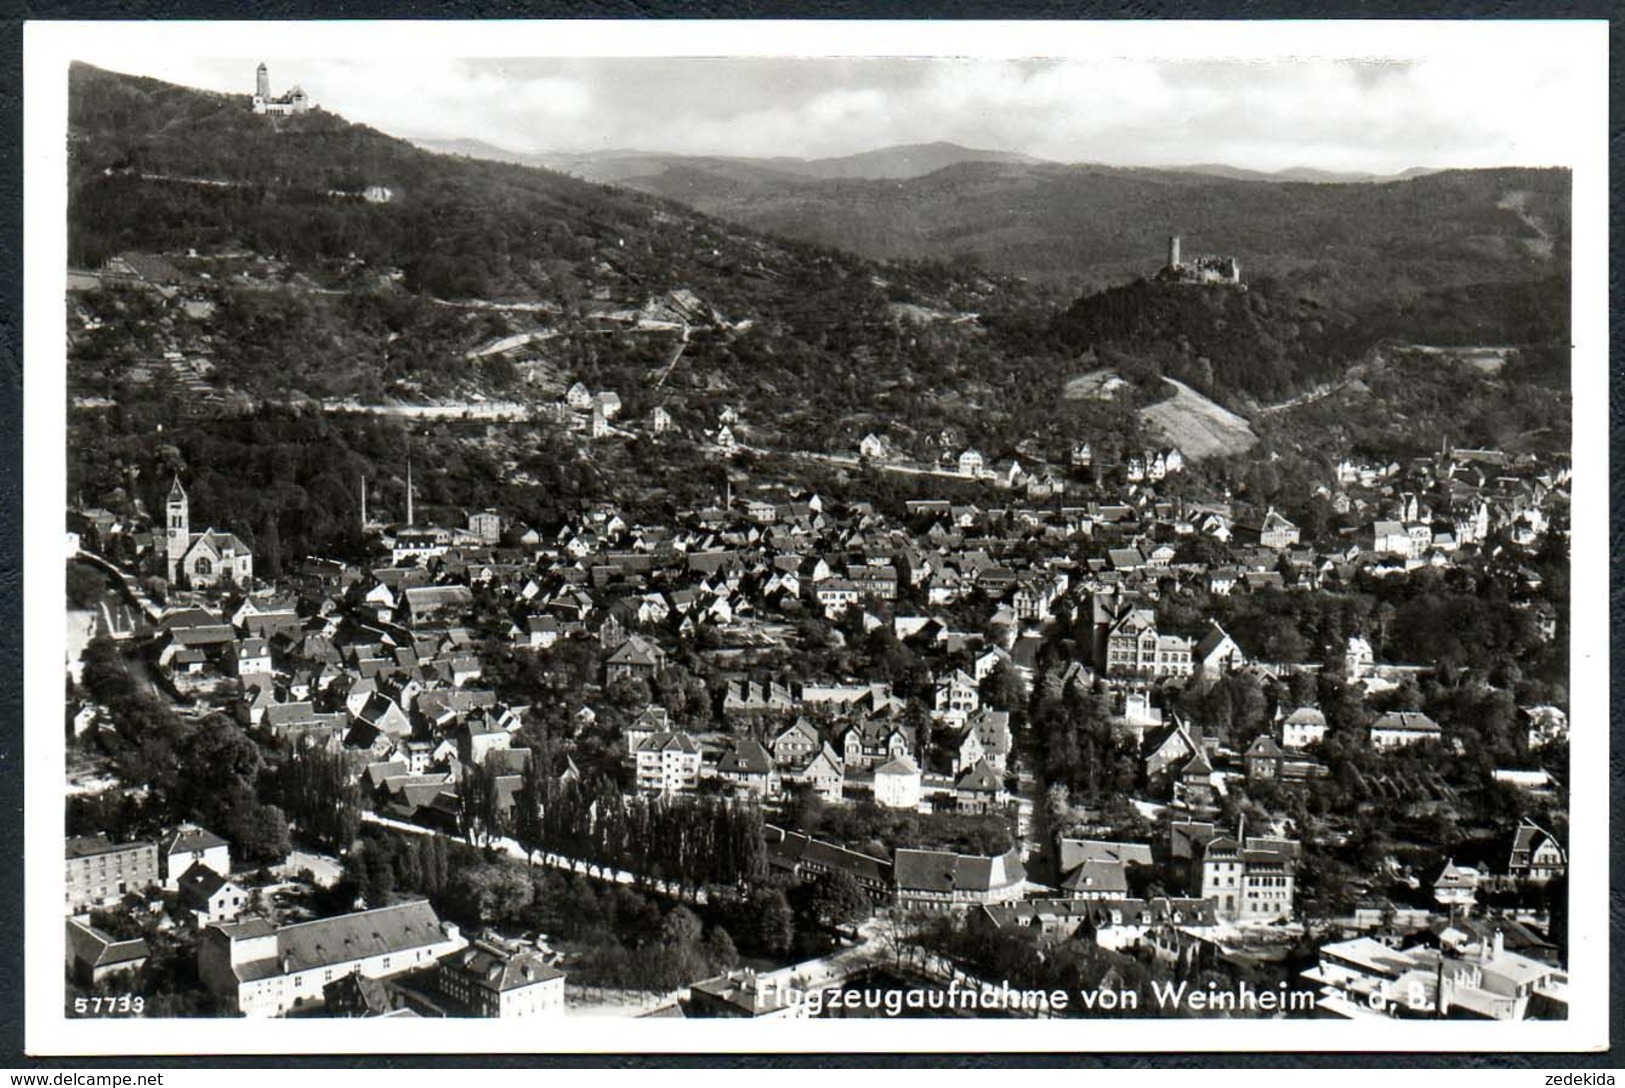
49 47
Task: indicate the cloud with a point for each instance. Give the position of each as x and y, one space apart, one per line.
1381 114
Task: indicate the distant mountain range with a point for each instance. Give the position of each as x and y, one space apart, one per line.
1084 226
617 167
899 162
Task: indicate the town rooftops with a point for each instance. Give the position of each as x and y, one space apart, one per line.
980 779
1528 836
1264 746
902 765
635 651
419 598
1103 912
1370 956
664 742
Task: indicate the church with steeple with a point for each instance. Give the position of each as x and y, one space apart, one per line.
209 558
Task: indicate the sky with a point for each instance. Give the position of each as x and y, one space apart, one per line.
1378 114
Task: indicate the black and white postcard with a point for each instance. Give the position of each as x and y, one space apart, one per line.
739 526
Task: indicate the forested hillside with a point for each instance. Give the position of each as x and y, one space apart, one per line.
1088 226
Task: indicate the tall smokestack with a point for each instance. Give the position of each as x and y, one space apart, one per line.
1173 251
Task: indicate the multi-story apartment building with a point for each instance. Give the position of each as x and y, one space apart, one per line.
1134 648
1251 881
490 980
667 763
101 872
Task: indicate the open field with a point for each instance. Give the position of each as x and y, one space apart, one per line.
1198 426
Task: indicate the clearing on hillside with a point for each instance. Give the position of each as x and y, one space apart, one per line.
1095 385
1197 426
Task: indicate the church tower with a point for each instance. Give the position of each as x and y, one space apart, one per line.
178 528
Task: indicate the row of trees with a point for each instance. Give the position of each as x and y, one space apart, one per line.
315 788
687 842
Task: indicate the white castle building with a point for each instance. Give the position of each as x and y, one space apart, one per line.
295 101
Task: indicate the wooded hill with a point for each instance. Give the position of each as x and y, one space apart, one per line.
1087 226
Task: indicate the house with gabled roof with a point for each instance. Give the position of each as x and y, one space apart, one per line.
796 743
897 783
809 859
207 897
1251 880
1194 787
1536 856
636 658
1304 726
187 845
1216 653
822 772
979 789
1264 759
1456 886
1095 869
95 957
748 768
1402 728
667 763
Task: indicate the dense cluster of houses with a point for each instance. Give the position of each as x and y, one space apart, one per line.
383 663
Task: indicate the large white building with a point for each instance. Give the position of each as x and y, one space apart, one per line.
265 970
295 101
897 783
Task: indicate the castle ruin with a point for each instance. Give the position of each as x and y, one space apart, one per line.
1204 269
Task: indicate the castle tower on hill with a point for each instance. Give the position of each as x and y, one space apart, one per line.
295 101
1203 269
